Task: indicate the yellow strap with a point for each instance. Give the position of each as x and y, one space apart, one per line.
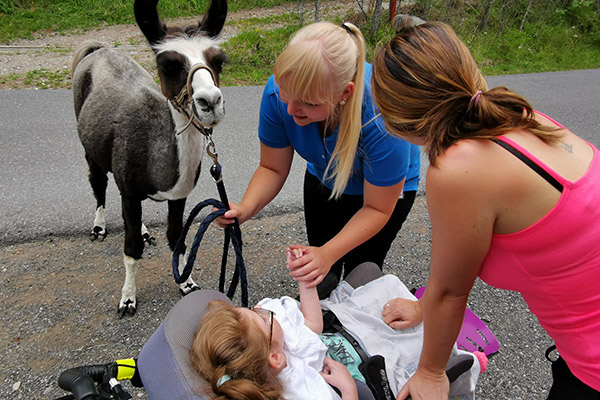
125 369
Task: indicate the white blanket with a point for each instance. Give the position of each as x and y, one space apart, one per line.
359 311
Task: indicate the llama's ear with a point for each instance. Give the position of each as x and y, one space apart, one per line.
215 58
214 20
146 16
172 70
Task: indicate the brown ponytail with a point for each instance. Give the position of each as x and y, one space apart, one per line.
424 81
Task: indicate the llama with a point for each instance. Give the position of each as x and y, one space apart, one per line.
150 138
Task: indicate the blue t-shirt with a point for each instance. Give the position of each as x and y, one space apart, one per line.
382 159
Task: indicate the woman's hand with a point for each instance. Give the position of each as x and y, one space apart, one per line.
402 313
311 267
235 211
337 375
426 386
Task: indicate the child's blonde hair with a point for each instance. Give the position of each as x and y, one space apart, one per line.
316 66
227 345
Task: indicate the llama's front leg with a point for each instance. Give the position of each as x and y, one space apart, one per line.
174 229
128 303
134 246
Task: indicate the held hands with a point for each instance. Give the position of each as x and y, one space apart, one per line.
309 265
294 253
426 386
402 313
337 375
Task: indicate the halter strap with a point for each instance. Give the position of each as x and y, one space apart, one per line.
182 101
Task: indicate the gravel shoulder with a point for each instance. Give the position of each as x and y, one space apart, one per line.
60 294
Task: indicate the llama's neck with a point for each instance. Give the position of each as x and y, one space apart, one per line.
190 146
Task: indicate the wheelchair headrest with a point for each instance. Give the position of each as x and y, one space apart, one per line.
164 362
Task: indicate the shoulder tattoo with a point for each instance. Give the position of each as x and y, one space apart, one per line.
568 147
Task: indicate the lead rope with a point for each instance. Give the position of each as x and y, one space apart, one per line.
233 234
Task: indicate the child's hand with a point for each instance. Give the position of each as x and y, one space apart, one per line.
293 253
337 375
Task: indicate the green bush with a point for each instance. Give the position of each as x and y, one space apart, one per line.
583 15
505 36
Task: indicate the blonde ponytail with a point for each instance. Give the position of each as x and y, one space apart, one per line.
318 63
346 146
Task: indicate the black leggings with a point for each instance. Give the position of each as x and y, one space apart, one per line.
325 218
566 386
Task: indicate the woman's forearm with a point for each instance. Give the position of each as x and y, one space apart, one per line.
262 189
442 317
378 205
267 181
360 228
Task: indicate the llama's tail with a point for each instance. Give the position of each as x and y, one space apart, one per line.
86 48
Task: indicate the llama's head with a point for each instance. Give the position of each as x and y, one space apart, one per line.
189 60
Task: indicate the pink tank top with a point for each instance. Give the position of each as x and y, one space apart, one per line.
555 265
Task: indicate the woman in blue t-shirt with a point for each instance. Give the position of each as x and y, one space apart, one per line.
360 182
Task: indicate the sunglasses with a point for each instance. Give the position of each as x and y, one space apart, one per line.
269 313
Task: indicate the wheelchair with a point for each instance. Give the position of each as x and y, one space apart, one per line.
164 370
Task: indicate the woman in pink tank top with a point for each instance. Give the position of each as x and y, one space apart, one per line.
513 197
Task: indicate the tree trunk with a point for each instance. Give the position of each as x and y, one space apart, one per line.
484 18
317 4
505 8
300 9
525 16
360 4
376 16
394 8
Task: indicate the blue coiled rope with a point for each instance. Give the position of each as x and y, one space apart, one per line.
233 234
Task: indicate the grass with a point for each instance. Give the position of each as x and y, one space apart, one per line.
23 18
551 49
39 79
251 55
543 47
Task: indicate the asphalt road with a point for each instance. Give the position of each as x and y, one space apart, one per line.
44 188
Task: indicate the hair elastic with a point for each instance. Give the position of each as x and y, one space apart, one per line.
223 379
347 28
474 102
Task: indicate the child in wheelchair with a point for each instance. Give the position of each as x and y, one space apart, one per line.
207 348
277 349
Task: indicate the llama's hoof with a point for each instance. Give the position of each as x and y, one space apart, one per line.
188 288
98 233
151 240
127 308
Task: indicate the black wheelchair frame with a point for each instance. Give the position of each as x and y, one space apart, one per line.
100 382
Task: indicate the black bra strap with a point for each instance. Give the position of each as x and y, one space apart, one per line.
539 170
